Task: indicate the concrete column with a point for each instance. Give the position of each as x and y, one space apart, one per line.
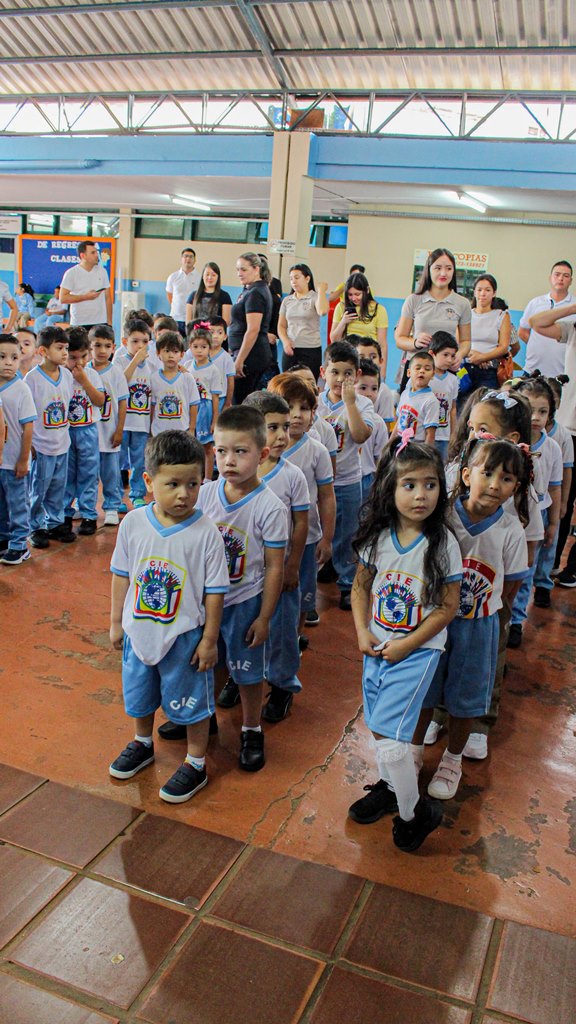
291 194
125 245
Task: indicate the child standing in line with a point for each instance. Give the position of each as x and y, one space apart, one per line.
254 526
548 482
175 397
208 381
567 444
19 414
367 386
132 358
222 359
320 429
51 384
29 356
88 398
443 348
112 419
384 405
405 594
165 617
418 407
288 483
495 560
352 417
313 459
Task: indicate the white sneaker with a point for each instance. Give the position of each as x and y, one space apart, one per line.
432 733
111 518
444 784
476 747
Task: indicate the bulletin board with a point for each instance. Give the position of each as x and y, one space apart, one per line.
43 259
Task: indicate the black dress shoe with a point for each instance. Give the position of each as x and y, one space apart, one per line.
172 731
87 527
345 601
327 574
62 533
514 636
229 694
40 539
252 750
542 597
277 705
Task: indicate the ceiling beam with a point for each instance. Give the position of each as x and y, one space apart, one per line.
106 58
252 23
301 95
41 10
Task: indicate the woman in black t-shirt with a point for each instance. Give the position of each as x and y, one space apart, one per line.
249 325
209 299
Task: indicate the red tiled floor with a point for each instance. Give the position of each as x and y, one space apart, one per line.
26 885
535 976
14 785
221 977
306 904
423 941
353 999
102 941
23 1004
65 823
170 859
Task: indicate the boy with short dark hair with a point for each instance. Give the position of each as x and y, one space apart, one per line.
19 413
29 357
112 419
352 417
169 578
51 384
368 385
369 348
443 348
222 359
132 358
419 409
175 398
84 454
254 527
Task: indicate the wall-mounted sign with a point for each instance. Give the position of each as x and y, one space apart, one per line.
43 259
10 224
282 247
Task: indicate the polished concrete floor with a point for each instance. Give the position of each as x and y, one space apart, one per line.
259 899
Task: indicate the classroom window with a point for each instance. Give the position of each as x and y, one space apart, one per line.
160 227
74 224
40 224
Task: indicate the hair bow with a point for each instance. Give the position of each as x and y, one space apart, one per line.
500 396
405 437
205 324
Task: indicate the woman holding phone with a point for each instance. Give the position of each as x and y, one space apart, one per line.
358 313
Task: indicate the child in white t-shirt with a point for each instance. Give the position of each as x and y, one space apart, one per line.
222 359
384 404
368 385
418 408
320 429
208 380
175 398
83 414
18 414
133 359
169 578
112 419
443 348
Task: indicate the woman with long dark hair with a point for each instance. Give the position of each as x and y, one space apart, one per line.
249 323
358 313
209 299
25 302
490 334
299 320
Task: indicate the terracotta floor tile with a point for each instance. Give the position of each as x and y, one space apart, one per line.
24 1004
352 999
14 785
26 885
221 977
535 976
171 859
80 940
290 899
434 944
65 823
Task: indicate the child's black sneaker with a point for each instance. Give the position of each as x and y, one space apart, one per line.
566 578
185 782
12 557
87 527
172 731
312 618
409 835
277 704
345 604
65 534
303 643
380 800
229 694
252 750
40 539
542 597
133 758
514 636
327 574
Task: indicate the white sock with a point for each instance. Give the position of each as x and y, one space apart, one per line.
455 757
146 740
397 758
251 728
417 753
197 762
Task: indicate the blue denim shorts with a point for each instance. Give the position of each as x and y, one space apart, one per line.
465 676
308 572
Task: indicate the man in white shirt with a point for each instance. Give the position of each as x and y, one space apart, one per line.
10 301
540 354
86 289
180 285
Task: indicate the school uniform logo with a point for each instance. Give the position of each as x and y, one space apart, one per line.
236 548
339 430
476 589
395 603
407 417
158 591
170 407
80 410
54 416
106 409
444 410
139 397
202 390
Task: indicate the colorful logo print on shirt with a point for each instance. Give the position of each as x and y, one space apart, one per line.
202 390
339 430
80 410
236 547
407 417
139 398
395 603
444 410
106 409
158 591
476 590
54 416
170 407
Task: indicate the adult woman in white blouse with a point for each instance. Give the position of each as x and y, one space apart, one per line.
490 334
299 320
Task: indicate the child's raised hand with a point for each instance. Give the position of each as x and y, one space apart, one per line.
349 392
141 355
79 374
116 635
205 656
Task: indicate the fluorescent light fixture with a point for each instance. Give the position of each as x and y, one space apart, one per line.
475 204
191 201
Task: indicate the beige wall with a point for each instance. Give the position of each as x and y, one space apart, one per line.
520 257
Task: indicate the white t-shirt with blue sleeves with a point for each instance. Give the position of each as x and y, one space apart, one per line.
115 388
372 448
313 459
385 405
139 392
348 468
445 387
494 551
324 432
18 408
225 365
548 468
172 400
398 605
247 527
81 411
288 483
170 568
419 410
51 434
563 438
